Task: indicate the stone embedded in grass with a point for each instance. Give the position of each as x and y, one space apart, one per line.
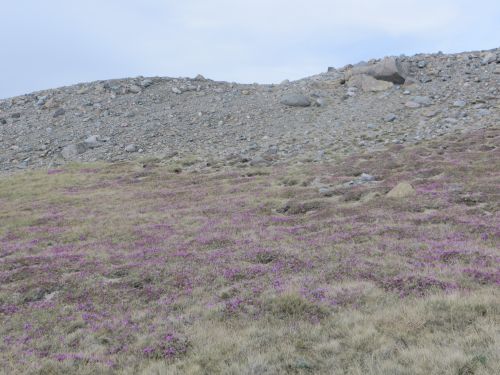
402 190
298 207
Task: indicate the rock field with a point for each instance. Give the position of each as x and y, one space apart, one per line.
371 105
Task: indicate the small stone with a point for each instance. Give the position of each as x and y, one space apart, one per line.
73 150
199 77
134 89
422 100
295 100
326 192
176 90
320 102
41 101
245 92
146 83
258 161
131 148
412 104
425 79
365 177
422 64
459 103
92 141
390 117
402 190
59 112
50 104
15 115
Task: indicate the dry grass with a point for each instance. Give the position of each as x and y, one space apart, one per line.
143 269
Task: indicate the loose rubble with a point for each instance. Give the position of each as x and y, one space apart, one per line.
369 106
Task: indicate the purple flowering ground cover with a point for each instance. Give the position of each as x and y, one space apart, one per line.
133 269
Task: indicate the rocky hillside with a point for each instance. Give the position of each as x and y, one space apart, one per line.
206 123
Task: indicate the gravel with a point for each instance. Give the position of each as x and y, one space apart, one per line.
206 121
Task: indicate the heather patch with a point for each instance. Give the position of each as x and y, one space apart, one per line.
129 269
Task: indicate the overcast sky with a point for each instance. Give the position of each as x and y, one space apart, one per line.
50 43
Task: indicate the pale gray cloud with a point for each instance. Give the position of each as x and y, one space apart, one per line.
54 42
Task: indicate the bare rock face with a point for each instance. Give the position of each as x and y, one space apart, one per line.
388 69
368 83
402 190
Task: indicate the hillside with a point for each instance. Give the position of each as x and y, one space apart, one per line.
347 223
220 123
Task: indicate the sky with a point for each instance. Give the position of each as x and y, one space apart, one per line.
52 43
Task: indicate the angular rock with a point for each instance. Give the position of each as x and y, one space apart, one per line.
368 83
59 112
295 100
92 141
422 100
459 103
422 64
488 58
419 101
134 89
146 83
389 69
402 190
390 117
131 148
365 177
73 150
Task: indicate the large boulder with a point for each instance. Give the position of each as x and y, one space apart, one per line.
388 69
368 83
296 100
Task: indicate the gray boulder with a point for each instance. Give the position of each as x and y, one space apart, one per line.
459 103
488 58
92 141
389 69
59 112
131 148
296 100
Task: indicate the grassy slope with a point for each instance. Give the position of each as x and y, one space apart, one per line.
125 269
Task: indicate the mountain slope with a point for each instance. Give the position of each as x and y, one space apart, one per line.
223 123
